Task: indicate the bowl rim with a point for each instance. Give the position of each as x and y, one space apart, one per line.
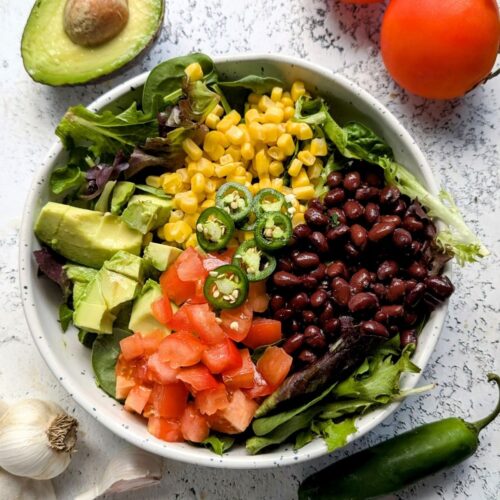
277 457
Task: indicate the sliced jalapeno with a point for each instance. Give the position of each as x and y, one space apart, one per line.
235 200
269 200
214 229
226 287
273 231
257 264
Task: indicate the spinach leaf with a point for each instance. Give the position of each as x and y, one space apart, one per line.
105 351
334 434
364 144
218 443
65 316
257 84
152 190
86 338
66 179
303 437
338 409
166 79
199 102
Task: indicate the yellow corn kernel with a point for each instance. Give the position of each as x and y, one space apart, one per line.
198 183
210 186
183 173
218 110
298 218
187 202
248 235
192 241
254 98
248 177
240 179
176 215
277 184
256 131
211 196
225 159
301 179
160 233
216 153
205 167
265 182
273 115
235 152
244 128
264 103
225 170
200 197
314 171
154 181
276 94
319 147
293 128
254 188
192 168
276 153
286 100
306 158
191 219
276 168
297 90
305 132
288 112
261 163
252 115
304 192
172 183
194 72
213 139
235 135
286 144
279 105
270 132
295 167
212 120
240 170
247 151
192 149
207 204
232 118
177 231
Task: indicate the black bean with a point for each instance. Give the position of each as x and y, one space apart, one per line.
441 286
295 325
337 268
380 317
353 209
285 279
396 290
334 179
319 242
316 204
319 272
415 295
351 251
381 230
309 282
315 218
394 311
327 312
389 195
338 232
277 302
407 337
401 238
305 260
318 298
360 280
387 270
330 326
314 337
334 197
412 224
308 317
338 215
341 291
302 231
359 235
352 181
372 327
307 357
283 314
410 318
372 213
366 193
293 343
394 219
379 290
417 271
374 179
400 208
285 265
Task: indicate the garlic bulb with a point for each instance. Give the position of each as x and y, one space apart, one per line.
36 439
24 488
129 470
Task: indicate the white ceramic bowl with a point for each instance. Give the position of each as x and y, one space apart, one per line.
70 361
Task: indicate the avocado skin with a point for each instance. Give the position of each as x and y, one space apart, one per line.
85 236
160 256
34 50
146 212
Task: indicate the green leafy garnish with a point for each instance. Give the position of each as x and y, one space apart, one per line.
66 179
334 434
65 316
219 443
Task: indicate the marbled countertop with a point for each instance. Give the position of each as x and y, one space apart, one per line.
460 139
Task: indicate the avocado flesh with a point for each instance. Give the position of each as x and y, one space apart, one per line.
160 256
85 236
121 194
51 57
127 264
146 212
102 203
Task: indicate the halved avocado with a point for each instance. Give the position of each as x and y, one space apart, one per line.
50 56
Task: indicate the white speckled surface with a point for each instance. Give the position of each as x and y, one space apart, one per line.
460 139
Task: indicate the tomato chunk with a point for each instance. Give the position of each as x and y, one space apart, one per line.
220 357
194 426
258 299
242 377
137 398
237 322
263 332
214 260
236 417
190 266
260 388
151 341
203 322
168 400
161 372
123 386
274 365
174 288
132 347
197 377
211 400
181 349
162 310
180 320
165 429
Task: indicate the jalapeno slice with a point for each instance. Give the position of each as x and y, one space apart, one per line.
214 229
273 231
226 287
235 200
257 265
269 200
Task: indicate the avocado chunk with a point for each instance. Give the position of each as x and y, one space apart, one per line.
121 194
160 256
80 274
145 212
102 204
51 57
85 236
142 319
127 264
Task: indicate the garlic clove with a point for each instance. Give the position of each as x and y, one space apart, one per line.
129 470
23 488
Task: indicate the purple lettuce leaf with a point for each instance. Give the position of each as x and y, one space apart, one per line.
50 265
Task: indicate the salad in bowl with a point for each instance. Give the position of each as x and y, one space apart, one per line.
241 268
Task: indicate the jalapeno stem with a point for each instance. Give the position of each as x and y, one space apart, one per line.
481 424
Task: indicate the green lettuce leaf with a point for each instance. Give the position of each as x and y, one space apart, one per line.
65 316
66 179
255 83
218 443
334 434
338 409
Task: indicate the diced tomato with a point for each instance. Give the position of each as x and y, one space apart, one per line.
181 349
140 370
197 377
132 347
162 310
137 398
274 365
199 294
151 341
263 332
221 357
168 400
203 322
261 387
242 377
236 417
237 322
160 372
194 426
258 299
214 260
212 400
165 429
190 266
180 320
123 386
176 290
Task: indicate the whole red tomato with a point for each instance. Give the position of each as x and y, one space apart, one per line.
440 49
